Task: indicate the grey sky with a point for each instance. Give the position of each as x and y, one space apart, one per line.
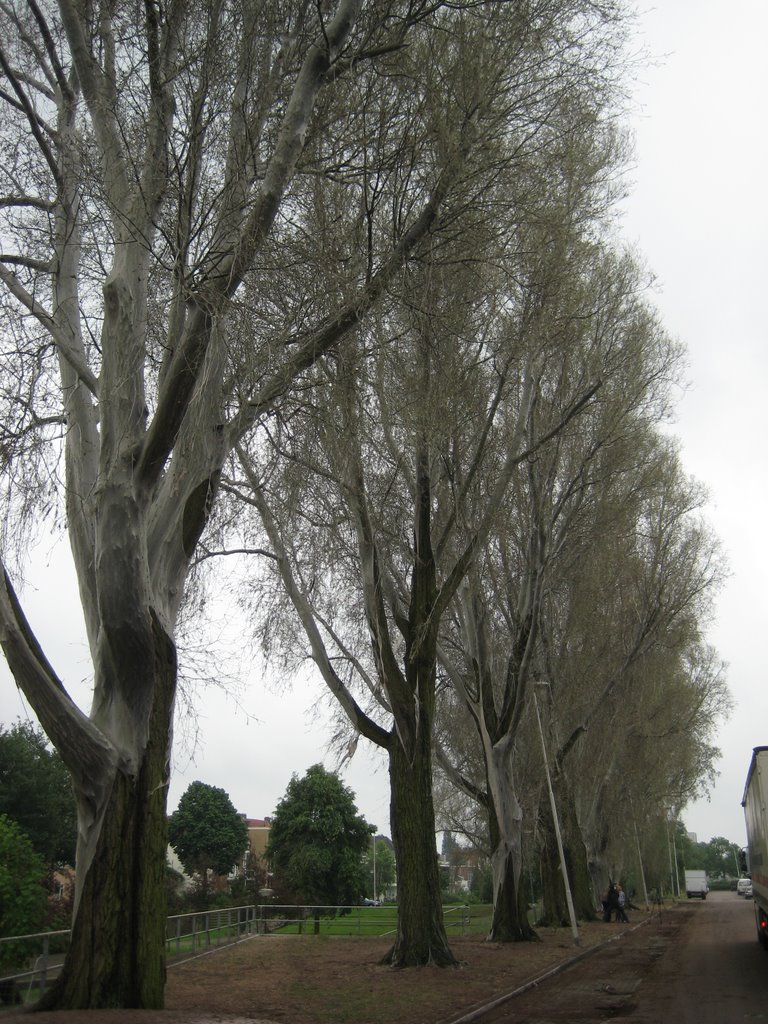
699 213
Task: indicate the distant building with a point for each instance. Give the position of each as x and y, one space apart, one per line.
255 860
173 861
63 887
459 865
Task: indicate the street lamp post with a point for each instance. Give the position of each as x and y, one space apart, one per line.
374 868
553 805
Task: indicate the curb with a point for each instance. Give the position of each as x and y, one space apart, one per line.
564 965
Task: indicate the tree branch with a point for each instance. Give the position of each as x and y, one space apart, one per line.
359 719
459 571
183 368
74 359
83 748
32 118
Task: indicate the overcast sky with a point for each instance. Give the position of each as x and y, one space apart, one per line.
699 214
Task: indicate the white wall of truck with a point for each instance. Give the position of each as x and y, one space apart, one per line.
696 884
754 803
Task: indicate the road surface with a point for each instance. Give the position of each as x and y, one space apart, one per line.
699 964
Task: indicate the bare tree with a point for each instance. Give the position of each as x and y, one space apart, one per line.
156 177
379 500
597 323
376 512
629 652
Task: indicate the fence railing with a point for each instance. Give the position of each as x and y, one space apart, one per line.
42 953
206 929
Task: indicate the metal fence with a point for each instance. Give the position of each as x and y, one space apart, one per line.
188 935
43 953
372 921
206 929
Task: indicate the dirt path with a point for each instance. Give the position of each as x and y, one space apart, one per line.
322 980
700 964
717 973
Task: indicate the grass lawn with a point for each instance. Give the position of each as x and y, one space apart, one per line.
382 921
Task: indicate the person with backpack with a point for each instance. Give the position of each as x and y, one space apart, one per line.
611 902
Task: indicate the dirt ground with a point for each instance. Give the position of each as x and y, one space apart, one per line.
332 980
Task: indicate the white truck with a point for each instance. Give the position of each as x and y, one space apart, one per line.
696 884
755 803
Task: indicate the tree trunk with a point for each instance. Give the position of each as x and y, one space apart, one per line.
555 909
510 913
421 937
576 857
555 906
599 837
598 867
116 956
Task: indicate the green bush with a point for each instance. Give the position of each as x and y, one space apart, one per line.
23 896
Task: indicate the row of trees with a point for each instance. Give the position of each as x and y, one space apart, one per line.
476 493
336 284
721 858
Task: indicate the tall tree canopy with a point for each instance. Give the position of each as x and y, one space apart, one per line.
317 841
380 868
170 184
379 488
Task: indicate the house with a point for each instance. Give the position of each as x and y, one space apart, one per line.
255 860
258 834
63 883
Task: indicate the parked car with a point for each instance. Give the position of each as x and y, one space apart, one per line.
742 885
748 891
370 903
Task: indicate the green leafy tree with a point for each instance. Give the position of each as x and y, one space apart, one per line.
22 889
35 791
481 886
449 843
719 857
723 857
318 840
207 832
380 870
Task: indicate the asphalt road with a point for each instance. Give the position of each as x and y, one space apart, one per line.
716 974
701 964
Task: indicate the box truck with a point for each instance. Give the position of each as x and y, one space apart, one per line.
754 804
696 884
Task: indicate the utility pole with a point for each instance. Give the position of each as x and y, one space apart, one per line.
553 805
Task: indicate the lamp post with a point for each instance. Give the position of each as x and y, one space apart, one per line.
556 820
374 868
